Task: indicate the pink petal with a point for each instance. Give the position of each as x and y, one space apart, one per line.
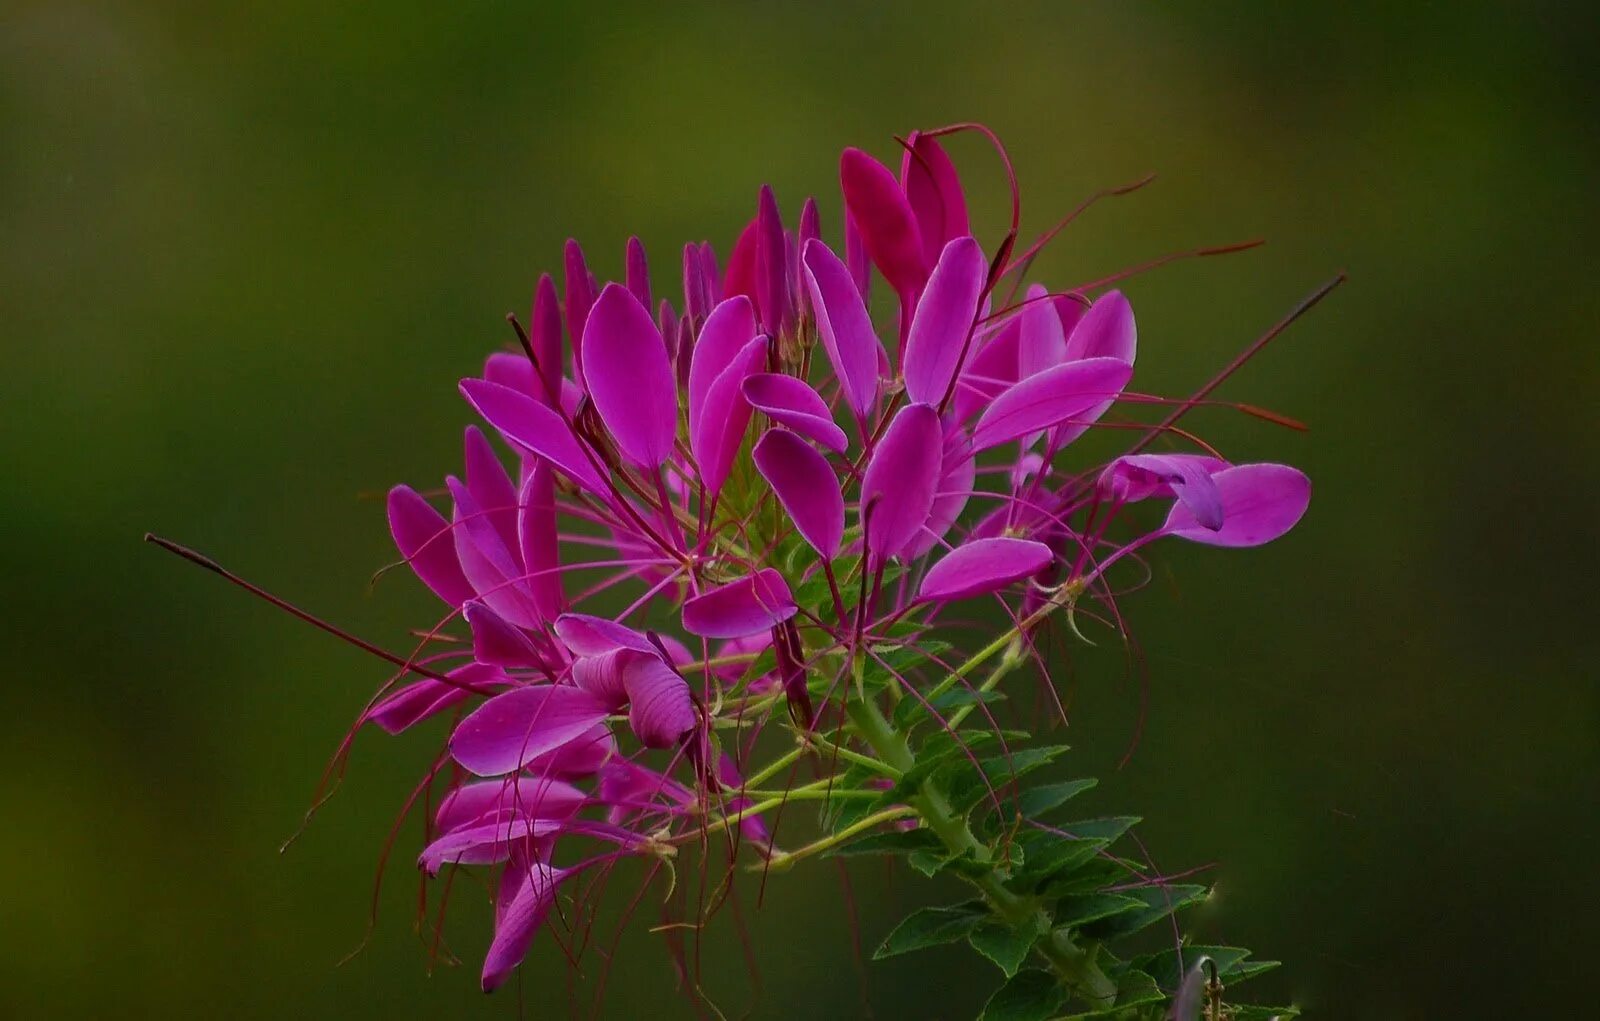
526 422
1042 344
981 566
519 920
583 756
587 635
497 642
422 699
740 279
1259 503
579 298
1186 476
536 536
423 537
855 256
501 735
1049 397
601 676
958 470
1107 330
805 484
933 189
630 377
636 272
660 710
791 401
898 486
544 336
491 487
488 841
532 797
988 373
844 326
731 325
487 563
773 296
715 437
888 227
753 603
944 318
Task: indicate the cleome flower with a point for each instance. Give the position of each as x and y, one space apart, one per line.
717 540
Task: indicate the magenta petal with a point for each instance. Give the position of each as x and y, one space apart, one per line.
855 256
888 227
958 470
1107 330
630 377
526 422
579 298
987 374
844 325
773 293
498 642
601 676
587 635
714 438
898 486
791 401
505 732
934 190
731 326
807 487
581 757
740 279
1186 476
487 563
1042 344
945 316
424 538
660 709
487 841
491 487
536 536
532 797
544 336
1046 398
744 607
414 703
1259 503
516 922
636 272
983 565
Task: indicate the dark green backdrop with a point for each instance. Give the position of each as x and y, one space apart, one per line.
245 253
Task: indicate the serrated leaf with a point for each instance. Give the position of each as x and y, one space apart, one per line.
1081 909
1005 946
1107 829
893 842
931 927
1159 902
1134 989
912 710
966 788
1232 968
1036 801
1030 995
1047 865
838 811
888 663
1090 876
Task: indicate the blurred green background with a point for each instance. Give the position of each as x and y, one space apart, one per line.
246 250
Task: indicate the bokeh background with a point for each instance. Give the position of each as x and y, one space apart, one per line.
245 251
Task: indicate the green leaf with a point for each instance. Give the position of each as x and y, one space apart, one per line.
1237 1013
888 661
894 842
1030 995
930 927
1088 876
1134 989
1005 946
1081 909
1039 800
1232 968
1053 860
1159 902
1107 829
967 788
839 811
911 710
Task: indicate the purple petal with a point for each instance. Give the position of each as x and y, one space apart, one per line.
697 289
988 373
944 318
731 326
753 603
583 756
844 325
491 487
855 256
810 230
488 841
805 484
531 797
1046 398
486 561
791 401
1041 344
498 642
958 470
526 422
418 701
636 272
518 920
898 486
715 437
514 371
588 635
423 537
630 377
888 227
1259 503
1107 330
580 296
601 676
1186 476
660 710
933 189
981 566
740 279
544 336
501 735
536 536
772 277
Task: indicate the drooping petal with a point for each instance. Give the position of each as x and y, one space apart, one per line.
498 642
981 566
1049 397
806 485
516 922
933 188
898 486
588 635
844 326
532 797
423 537
1186 476
888 227
505 732
422 699
791 401
944 318
630 377
536 535
523 420
753 603
731 326
660 710
715 438
1260 502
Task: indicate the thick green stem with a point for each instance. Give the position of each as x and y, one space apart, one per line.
1075 965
